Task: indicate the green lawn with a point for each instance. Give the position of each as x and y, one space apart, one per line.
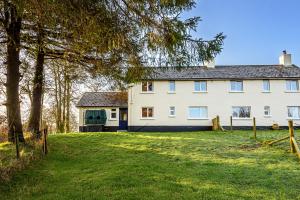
190 165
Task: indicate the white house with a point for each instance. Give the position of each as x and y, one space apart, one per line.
186 99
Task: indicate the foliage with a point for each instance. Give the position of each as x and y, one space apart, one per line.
188 165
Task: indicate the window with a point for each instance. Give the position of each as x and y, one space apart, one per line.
236 86
172 86
200 86
198 112
95 117
147 86
172 111
294 112
267 111
292 85
241 112
266 85
147 112
113 113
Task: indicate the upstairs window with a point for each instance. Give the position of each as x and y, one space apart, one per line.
241 111
236 86
267 111
294 112
172 111
292 85
266 85
200 86
147 112
147 86
198 112
172 86
113 113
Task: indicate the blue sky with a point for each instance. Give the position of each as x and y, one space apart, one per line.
257 30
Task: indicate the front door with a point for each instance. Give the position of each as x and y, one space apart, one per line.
123 119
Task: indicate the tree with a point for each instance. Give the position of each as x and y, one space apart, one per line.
116 39
11 20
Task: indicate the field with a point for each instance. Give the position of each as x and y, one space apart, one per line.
189 165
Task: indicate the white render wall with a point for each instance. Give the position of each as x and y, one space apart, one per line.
109 122
218 99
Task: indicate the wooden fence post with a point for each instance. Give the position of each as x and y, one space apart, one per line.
230 123
45 148
291 130
254 127
16 136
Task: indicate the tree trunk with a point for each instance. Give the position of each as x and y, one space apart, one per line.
38 82
56 99
64 99
68 109
59 111
13 28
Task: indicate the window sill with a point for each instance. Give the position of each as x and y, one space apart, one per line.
266 92
198 119
236 91
172 116
293 119
147 118
170 92
112 120
242 118
267 116
199 92
291 91
147 92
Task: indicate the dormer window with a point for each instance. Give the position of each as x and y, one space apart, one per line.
236 86
147 86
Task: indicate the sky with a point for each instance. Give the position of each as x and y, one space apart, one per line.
257 30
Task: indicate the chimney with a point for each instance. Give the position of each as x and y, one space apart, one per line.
285 59
209 64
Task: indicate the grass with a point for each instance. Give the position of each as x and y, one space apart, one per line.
190 165
8 162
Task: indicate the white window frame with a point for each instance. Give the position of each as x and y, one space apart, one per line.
268 84
200 88
172 91
236 81
199 118
288 88
113 112
240 117
172 109
148 84
298 112
147 117
267 109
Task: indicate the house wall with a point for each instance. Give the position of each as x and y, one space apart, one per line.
218 99
109 122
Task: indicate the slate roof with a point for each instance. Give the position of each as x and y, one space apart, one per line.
226 72
103 99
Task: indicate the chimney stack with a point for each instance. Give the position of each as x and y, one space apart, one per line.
209 64
285 59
